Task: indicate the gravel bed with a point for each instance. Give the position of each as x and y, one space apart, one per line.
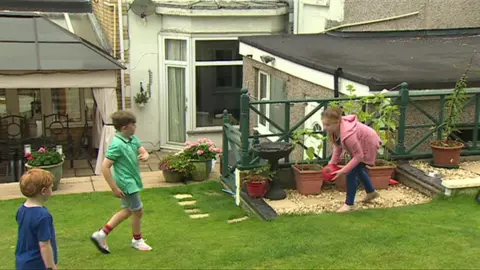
447 174
330 200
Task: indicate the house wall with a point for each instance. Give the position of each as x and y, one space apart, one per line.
146 53
315 16
299 89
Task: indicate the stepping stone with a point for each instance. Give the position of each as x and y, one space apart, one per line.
187 203
183 196
197 216
192 211
237 220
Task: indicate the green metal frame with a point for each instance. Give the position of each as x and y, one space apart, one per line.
240 140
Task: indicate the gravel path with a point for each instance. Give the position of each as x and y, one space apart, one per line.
330 200
447 174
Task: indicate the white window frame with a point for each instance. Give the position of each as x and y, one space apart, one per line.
263 129
163 75
207 64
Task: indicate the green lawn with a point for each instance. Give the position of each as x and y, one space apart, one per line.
443 234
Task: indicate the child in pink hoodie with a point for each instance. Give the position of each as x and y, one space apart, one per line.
361 142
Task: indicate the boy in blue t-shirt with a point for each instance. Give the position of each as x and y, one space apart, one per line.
36 245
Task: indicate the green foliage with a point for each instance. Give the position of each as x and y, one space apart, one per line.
383 115
43 157
260 174
141 97
300 135
176 163
454 109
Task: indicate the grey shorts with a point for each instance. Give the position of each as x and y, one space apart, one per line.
132 202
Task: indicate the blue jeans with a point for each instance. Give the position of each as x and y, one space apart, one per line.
352 183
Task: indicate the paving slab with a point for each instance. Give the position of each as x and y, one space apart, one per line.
183 196
187 203
84 172
282 205
10 191
236 220
154 167
74 187
192 211
474 167
198 216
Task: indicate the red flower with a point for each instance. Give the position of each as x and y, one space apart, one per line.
29 156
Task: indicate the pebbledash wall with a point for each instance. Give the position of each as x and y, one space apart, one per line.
309 83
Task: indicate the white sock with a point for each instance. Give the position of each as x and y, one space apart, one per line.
102 234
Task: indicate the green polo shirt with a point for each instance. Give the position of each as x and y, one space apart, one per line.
126 171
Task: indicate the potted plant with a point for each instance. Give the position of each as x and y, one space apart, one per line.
201 154
446 152
257 181
141 98
46 159
308 177
175 168
384 122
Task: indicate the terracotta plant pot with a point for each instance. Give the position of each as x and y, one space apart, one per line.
308 178
380 175
446 156
257 189
173 177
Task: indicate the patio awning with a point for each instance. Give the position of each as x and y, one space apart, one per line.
47 5
31 42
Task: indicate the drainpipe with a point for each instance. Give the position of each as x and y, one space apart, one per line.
336 76
122 53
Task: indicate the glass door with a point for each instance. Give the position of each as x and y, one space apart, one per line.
174 90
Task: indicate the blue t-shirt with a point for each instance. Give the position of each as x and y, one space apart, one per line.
35 224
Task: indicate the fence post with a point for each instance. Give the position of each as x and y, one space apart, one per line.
477 119
400 149
225 161
244 127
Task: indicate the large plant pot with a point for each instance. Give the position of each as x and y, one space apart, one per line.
380 175
173 177
56 170
201 169
257 189
446 156
308 178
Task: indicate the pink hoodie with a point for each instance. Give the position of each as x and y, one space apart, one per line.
358 139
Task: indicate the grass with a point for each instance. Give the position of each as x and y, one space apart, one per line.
442 234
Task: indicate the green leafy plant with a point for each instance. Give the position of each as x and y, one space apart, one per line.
300 136
176 163
383 115
43 157
454 110
141 97
260 174
384 121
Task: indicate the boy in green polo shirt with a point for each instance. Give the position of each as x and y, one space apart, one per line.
123 154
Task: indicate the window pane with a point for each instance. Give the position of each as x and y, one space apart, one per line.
176 105
217 50
262 95
29 103
278 91
176 49
83 28
217 88
3 103
57 18
66 101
